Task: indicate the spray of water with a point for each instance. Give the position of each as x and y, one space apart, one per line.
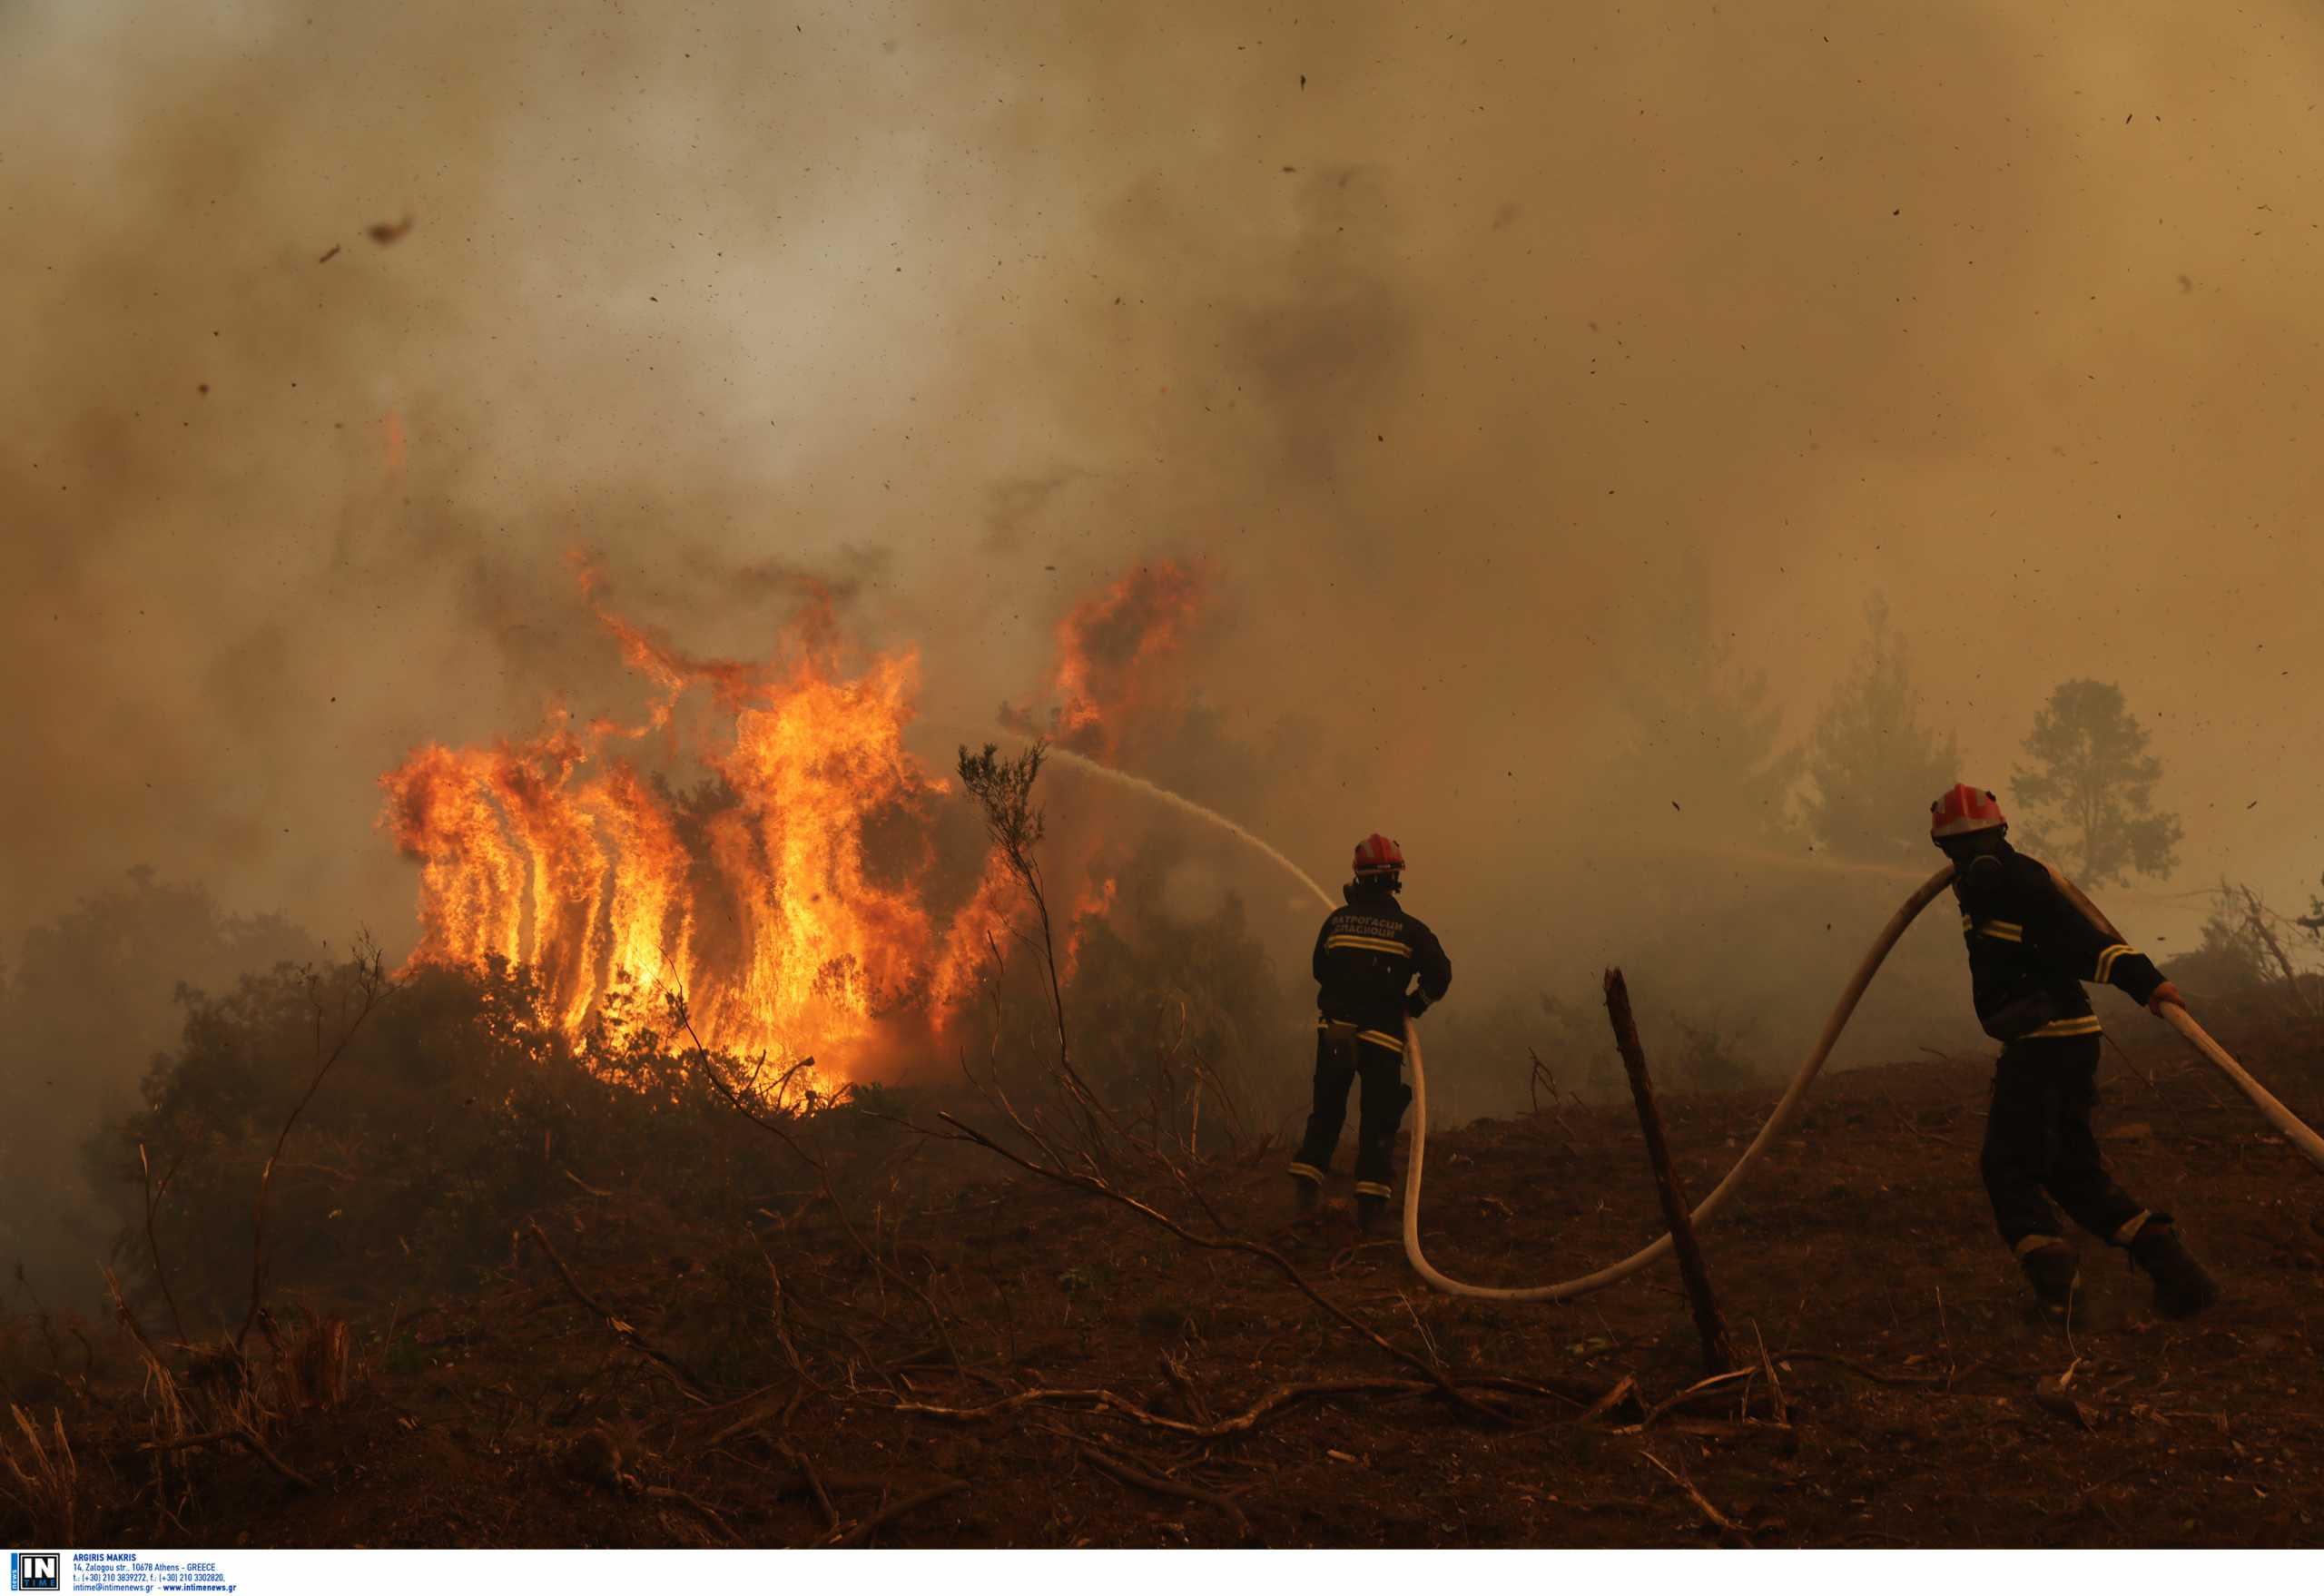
1189 806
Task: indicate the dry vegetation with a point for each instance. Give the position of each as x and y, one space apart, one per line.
627 1290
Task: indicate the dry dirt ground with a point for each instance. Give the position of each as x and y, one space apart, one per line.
1863 1257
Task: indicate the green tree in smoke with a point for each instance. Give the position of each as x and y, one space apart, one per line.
2089 796
1712 736
1872 765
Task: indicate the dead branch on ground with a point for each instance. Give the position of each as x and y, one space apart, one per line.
888 1515
1230 1242
1159 1486
693 1384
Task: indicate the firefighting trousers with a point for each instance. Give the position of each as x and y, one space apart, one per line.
2038 1141
1340 1064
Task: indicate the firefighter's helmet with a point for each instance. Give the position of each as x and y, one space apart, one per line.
1378 855
1962 809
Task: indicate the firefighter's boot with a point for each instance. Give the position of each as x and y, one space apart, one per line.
1304 1195
2053 1271
1370 1214
2182 1287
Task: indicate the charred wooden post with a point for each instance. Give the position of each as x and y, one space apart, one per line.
1717 1356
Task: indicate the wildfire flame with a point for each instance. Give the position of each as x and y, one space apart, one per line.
756 891
1114 649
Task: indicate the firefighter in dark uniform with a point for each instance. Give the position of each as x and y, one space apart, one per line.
2033 938
1367 956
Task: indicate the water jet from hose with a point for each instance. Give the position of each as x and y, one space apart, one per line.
1188 806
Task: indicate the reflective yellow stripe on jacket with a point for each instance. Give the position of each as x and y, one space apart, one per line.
1367 945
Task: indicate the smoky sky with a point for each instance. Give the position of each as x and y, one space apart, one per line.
1501 367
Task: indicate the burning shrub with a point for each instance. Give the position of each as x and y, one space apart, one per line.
791 865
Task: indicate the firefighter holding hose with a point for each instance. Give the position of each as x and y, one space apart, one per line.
2033 939
1367 957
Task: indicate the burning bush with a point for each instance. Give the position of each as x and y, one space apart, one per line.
784 859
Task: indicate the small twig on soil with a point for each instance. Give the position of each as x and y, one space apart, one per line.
1161 1487
1626 1387
1283 1265
1180 1382
693 1384
1701 1501
886 1515
815 1484
1775 1387
1911 1122
1279 1398
239 1437
1699 1388
781 1313
1875 1375
755 1411
584 1185
694 1505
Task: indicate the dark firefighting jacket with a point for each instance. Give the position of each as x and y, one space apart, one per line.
2033 938
1366 955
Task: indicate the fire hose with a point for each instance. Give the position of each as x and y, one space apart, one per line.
2294 1130
1786 1107
2283 1118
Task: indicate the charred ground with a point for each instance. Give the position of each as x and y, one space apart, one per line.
857 1328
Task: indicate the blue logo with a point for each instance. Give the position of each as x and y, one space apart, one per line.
34 1570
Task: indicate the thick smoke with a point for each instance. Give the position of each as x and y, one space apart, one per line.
1510 372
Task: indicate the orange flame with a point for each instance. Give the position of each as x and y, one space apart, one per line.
761 905
760 893
1096 903
1114 649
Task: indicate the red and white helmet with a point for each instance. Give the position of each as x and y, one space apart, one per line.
1378 855
1962 809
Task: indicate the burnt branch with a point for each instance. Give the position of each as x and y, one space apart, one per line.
373 986
154 1195
1228 1243
692 1382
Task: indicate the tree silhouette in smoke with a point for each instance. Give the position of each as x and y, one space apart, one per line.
1872 764
2089 796
1708 733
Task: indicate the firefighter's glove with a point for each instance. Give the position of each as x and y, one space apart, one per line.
1415 1003
2165 993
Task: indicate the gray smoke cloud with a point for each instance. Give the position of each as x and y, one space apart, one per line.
1504 368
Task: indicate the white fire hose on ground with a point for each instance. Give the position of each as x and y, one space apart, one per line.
2282 1118
1786 1107
2297 1133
